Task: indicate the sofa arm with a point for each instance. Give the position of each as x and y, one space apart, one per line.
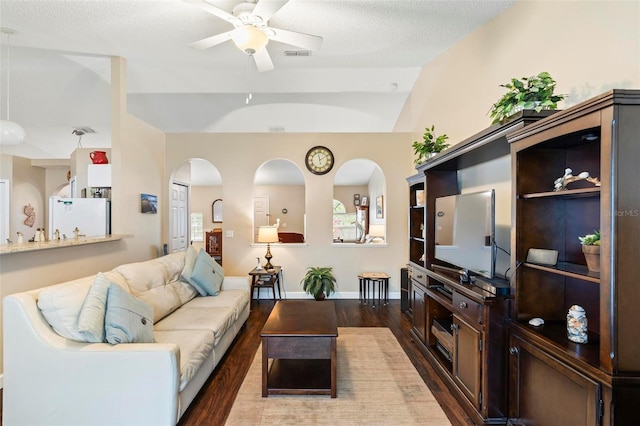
236 283
51 380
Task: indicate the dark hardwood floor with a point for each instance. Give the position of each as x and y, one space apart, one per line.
213 403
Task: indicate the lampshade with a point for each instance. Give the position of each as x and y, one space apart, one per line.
376 230
11 133
249 39
267 234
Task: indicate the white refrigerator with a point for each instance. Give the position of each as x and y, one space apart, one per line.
92 217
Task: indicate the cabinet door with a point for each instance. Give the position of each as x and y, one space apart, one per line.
545 391
467 365
419 311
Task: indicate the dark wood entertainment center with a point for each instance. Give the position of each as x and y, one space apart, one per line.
477 337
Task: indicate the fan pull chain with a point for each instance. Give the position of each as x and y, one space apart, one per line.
249 94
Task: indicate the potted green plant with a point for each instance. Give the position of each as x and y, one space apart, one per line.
319 282
535 92
591 250
430 145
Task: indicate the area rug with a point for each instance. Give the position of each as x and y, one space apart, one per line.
377 385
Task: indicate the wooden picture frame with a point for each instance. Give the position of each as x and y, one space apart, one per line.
379 207
216 211
364 201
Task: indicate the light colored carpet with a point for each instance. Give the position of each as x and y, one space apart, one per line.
377 385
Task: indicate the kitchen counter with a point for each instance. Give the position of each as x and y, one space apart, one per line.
69 242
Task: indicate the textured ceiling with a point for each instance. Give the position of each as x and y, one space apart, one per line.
358 81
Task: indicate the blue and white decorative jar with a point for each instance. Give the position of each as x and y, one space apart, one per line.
577 324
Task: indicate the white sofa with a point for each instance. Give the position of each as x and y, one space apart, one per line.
54 380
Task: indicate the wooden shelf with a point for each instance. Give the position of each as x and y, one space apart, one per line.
569 270
555 332
569 193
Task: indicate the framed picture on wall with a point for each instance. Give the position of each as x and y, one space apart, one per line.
364 201
379 207
148 203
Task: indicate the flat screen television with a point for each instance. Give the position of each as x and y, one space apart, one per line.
465 232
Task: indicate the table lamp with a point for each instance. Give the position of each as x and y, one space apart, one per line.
268 234
376 232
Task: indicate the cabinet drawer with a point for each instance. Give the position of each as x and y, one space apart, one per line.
419 277
467 308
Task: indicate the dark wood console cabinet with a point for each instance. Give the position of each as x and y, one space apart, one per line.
213 244
462 331
554 381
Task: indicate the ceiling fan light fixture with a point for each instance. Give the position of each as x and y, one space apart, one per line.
11 133
249 39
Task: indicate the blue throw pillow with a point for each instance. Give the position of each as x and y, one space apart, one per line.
207 275
128 320
91 319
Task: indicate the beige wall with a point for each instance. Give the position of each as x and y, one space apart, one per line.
231 155
587 46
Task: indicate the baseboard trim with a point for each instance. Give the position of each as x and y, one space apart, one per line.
266 294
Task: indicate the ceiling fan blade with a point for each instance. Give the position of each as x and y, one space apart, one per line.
305 41
263 60
267 8
207 7
208 42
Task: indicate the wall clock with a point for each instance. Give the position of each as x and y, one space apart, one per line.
319 160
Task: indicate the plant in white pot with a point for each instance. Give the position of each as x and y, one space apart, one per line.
430 145
591 250
535 92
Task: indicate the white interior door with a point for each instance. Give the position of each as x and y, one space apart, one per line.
260 213
179 236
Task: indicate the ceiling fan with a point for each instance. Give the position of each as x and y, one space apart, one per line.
252 32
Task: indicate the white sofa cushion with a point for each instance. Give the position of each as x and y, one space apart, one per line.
235 299
156 282
195 346
216 319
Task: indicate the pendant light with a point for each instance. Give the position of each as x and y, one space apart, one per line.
11 133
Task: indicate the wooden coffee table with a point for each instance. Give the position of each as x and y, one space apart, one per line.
300 337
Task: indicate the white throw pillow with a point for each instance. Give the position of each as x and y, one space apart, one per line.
61 304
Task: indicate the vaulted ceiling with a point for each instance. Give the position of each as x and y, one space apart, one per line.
358 81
